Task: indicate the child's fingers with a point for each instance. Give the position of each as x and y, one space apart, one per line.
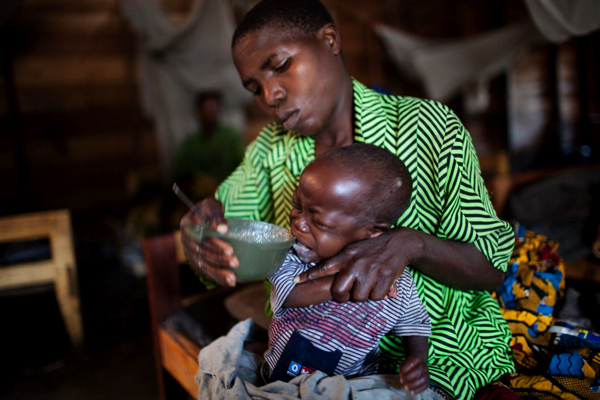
412 376
417 386
416 380
409 364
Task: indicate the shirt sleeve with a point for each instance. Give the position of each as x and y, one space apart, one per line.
282 282
468 214
246 192
415 320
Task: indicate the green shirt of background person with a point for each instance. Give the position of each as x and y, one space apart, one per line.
206 157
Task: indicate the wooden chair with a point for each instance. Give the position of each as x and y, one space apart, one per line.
176 355
60 270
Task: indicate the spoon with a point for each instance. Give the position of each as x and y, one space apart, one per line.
189 203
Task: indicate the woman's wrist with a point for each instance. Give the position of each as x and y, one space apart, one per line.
411 242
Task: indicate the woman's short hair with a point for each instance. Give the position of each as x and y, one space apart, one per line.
300 17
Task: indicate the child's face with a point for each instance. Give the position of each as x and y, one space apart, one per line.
324 217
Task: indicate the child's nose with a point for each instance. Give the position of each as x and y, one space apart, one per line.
300 224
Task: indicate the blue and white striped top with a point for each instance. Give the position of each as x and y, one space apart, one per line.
354 328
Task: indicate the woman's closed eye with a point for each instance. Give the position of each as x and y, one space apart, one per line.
282 66
255 91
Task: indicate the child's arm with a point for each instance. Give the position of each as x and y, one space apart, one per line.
315 292
310 292
414 374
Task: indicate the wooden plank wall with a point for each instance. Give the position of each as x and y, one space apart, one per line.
75 82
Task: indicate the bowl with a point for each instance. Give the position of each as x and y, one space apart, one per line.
261 247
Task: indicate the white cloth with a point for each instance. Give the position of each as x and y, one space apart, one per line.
179 60
445 66
559 20
227 371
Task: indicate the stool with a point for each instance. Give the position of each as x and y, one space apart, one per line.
60 270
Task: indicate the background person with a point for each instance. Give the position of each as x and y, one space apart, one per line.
211 153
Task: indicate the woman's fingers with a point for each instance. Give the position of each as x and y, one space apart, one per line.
213 209
370 266
211 257
365 270
392 292
222 276
342 287
324 268
218 253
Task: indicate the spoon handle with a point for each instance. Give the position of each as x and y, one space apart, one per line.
189 203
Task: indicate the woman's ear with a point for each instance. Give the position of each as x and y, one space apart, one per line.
378 228
331 36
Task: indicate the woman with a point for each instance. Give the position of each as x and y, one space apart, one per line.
288 54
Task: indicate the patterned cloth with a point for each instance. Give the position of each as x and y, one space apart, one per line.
554 359
353 328
469 347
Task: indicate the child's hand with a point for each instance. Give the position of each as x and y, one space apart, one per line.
393 292
414 374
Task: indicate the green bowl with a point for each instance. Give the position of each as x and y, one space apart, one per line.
261 247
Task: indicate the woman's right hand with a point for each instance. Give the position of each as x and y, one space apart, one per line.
211 257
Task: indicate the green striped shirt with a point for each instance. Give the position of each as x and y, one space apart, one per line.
469 346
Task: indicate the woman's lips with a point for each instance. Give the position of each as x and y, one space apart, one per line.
304 252
289 120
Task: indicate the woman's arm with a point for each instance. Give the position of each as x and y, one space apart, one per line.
378 262
469 252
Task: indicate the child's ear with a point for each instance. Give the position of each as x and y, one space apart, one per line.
378 228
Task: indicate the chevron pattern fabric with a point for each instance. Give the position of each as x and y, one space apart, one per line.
469 346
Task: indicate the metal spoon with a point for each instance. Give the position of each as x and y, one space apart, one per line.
189 203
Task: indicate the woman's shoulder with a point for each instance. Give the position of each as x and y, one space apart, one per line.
407 104
271 137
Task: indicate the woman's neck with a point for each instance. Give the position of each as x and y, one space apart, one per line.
340 131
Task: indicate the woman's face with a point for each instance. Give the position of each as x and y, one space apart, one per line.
296 81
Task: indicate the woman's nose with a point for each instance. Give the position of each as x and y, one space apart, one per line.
274 95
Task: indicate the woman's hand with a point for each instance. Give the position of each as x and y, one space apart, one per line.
213 256
366 269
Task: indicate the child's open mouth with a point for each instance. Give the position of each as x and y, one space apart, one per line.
304 252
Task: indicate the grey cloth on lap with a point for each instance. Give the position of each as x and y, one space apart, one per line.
226 371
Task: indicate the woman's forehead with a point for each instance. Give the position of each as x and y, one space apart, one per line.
272 35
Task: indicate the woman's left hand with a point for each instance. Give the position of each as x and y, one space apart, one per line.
366 269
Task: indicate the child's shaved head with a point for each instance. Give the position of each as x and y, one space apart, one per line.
386 179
